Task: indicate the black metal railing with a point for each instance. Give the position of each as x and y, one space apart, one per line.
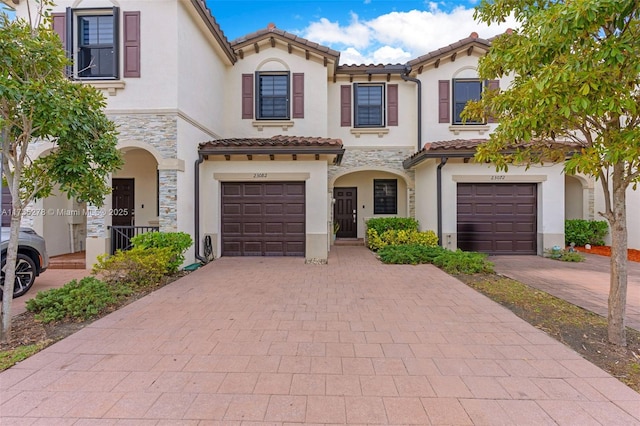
121 235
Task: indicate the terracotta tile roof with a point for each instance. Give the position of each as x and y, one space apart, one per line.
462 148
473 39
275 141
371 68
271 30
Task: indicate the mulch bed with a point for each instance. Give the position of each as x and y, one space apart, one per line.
632 254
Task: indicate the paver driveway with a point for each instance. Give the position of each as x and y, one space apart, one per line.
274 340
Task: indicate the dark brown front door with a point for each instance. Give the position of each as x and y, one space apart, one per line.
263 219
345 211
497 218
122 202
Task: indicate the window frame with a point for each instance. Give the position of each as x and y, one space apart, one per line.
258 95
76 44
386 206
357 105
455 119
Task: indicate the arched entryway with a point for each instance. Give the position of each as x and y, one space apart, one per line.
363 194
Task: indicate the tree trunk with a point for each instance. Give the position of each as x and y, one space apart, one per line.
9 274
618 285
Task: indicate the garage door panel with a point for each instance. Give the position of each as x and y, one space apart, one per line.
274 209
274 228
252 228
252 209
497 218
263 219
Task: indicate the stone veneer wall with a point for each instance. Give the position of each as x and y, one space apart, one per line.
384 159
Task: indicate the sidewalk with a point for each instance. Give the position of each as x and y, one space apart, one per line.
585 284
273 340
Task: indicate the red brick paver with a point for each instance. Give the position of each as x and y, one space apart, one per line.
275 341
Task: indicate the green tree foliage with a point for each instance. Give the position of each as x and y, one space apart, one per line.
38 102
576 70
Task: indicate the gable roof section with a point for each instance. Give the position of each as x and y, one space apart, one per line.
465 148
467 45
291 145
292 40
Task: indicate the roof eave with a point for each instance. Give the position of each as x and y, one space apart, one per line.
214 28
438 153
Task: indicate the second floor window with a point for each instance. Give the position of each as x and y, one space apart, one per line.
97 46
464 91
369 102
273 96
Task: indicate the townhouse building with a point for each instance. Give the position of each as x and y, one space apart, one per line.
264 145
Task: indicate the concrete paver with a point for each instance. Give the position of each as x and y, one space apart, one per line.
274 340
585 284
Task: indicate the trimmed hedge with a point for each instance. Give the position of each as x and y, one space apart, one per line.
582 232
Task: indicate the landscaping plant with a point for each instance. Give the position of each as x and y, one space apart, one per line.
583 232
175 242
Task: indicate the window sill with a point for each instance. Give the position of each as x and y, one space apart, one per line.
380 131
111 86
480 128
261 124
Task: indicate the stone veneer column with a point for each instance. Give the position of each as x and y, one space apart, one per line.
168 200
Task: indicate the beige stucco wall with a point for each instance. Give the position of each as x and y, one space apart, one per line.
402 135
313 173
463 67
573 202
277 58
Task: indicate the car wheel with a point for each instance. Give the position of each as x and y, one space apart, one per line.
25 275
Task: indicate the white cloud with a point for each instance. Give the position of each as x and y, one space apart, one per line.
399 36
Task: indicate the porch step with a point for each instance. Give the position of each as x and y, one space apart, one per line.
349 242
68 261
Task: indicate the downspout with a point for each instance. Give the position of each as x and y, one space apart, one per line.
196 208
405 77
443 161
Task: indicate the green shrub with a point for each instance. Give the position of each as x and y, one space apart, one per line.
558 253
411 254
463 262
176 242
76 300
393 237
135 268
382 224
582 232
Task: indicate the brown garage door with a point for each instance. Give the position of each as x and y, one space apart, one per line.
497 218
263 219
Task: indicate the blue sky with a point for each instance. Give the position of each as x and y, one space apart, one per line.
364 31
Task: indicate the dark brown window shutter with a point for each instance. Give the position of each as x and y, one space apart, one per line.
444 109
131 44
345 106
60 27
392 104
247 95
298 95
492 85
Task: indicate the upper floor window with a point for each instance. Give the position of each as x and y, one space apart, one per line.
97 46
93 40
385 196
369 105
463 91
273 96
